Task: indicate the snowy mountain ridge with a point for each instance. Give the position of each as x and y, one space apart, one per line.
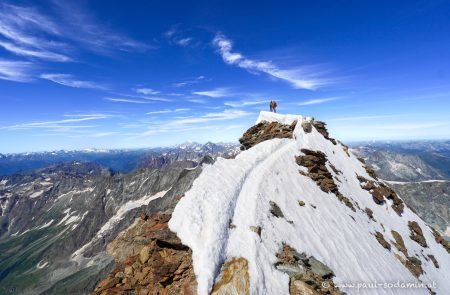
310 194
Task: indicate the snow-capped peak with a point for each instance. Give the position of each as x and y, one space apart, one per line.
327 204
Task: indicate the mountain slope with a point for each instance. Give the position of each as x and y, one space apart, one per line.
57 221
309 195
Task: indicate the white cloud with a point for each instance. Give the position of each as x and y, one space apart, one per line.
407 126
215 93
225 115
42 54
177 36
307 77
245 103
21 26
361 118
60 124
317 101
184 41
168 111
18 71
114 99
188 82
145 97
146 91
70 81
85 29
27 32
197 100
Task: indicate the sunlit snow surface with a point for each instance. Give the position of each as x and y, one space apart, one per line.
239 190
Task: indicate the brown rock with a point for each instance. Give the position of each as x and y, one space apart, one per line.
144 254
265 131
380 238
440 240
369 213
298 287
320 127
167 269
234 278
399 243
433 259
417 234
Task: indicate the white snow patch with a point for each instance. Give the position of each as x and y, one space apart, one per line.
239 191
46 225
114 220
41 264
3 182
36 194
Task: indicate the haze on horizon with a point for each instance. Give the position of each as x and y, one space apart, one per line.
98 74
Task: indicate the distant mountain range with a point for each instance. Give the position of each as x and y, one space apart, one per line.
419 171
117 160
407 161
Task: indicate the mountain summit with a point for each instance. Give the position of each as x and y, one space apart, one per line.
294 213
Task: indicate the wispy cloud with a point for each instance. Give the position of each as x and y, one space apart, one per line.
28 32
245 103
184 41
306 77
407 126
70 81
145 97
215 93
86 30
21 26
168 111
146 91
191 81
42 54
64 124
220 116
191 123
361 118
317 101
177 36
197 100
116 99
18 71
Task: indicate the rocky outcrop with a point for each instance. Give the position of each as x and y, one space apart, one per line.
440 240
307 274
234 279
159 263
380 238
417 234
315 163
399 243
322 129
380 191
265 131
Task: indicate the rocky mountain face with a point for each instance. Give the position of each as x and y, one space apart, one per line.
294 213
418 172
431 200
407 161
56 222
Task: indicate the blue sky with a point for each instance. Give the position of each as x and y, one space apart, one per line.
131 74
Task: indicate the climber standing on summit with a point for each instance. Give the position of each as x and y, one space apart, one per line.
271 106
274 106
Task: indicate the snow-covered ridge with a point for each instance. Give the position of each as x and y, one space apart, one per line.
239 191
